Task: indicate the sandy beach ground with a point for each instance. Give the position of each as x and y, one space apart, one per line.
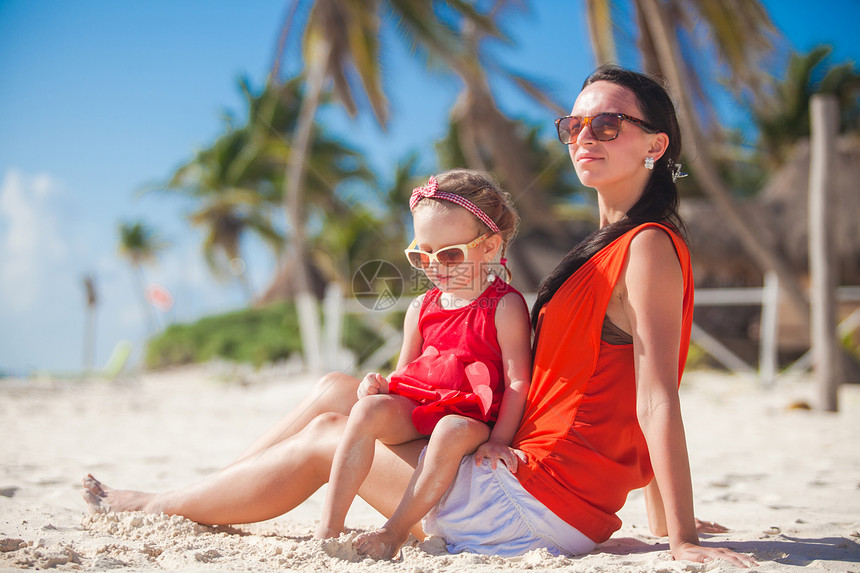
786 481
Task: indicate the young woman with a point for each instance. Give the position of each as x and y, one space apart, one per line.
602 415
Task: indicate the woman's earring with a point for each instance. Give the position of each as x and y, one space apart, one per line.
649 163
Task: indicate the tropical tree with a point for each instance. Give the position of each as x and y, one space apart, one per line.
92 301
741 35
491 141
783 118
548 163
236 183
139 244
227 208
340 40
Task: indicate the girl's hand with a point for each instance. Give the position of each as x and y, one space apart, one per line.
710 527
496 451
691 552
373 383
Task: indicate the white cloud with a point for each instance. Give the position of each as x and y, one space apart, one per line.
30 241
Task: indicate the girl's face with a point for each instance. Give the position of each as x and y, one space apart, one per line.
605 164
438 225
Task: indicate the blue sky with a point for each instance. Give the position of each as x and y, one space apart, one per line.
99 99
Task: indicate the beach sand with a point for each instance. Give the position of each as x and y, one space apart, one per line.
785 480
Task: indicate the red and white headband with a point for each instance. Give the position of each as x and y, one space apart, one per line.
431 191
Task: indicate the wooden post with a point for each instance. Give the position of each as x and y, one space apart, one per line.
309 330
826 356
769 330
333 319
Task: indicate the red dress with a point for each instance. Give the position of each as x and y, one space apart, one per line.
460 367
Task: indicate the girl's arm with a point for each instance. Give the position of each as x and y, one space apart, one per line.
652 299
514 335
412 339
374 383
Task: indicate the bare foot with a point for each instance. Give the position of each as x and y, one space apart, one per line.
324 532
380 544
102 499
710 527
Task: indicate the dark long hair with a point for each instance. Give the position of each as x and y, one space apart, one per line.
659 200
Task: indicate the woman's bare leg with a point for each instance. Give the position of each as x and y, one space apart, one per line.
383 417
454 437
334 392
271 483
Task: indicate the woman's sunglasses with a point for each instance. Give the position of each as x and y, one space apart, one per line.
604 126
446 256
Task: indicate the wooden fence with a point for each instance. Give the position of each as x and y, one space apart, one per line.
336 307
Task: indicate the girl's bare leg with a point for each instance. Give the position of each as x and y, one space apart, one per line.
271 483
454 437
383 417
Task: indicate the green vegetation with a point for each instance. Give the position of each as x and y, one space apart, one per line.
254 335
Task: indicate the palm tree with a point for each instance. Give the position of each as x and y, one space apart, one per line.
226 216
359 235
549 164
742 34
228 208
140 245
341 38
783 118
237 181
92 301
491 141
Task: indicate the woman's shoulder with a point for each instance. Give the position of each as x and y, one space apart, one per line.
655 240
653 244
655 258
651 235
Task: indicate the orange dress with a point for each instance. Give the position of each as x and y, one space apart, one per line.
585 451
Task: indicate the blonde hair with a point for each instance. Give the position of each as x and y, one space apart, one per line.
481 189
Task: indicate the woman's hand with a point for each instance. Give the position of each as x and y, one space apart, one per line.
691 552
496 451
710 527
373 383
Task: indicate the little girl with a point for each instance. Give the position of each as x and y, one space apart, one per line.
464 369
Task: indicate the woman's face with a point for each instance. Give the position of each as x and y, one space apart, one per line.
604 164
438 225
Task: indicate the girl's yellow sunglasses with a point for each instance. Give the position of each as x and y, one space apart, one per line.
446 256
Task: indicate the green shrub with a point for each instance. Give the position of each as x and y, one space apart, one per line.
254 335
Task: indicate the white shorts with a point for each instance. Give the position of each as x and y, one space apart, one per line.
487 511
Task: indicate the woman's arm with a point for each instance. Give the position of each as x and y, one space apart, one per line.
657 516
653 304
514 335
652 300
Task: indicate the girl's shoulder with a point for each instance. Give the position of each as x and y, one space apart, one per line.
420 302
498 288
511 306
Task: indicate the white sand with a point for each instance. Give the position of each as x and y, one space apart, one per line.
786 481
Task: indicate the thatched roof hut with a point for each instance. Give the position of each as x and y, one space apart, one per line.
780 214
